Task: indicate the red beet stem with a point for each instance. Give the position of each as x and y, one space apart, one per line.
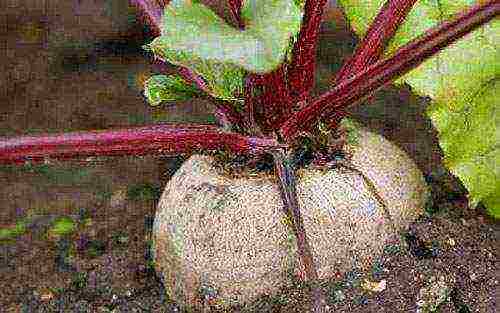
380 32
235 9
235 118
191 77
408 57
152 11
371 48
302 68
287 186
269 95
289 84
157 139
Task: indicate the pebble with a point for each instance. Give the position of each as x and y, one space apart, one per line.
436 291
339 295
473 276
374 286
118 198
46 296
362 300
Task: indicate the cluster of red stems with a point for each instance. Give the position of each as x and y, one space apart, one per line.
282 109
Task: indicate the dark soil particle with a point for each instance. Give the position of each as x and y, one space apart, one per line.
418 248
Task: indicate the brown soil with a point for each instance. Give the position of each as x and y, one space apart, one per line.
104 264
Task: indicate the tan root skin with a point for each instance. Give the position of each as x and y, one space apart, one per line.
230 234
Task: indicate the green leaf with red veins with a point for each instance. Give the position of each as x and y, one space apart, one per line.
463 82
195 37
168 88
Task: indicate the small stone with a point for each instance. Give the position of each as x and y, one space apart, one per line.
121 238
14 308
361 300
473 276
339 295
173 308
46 296
374 286
392 249
433 294
118 198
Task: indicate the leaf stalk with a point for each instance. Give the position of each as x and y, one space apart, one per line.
411 55
372 46
152 11
163 139
301 71
287 185
381 31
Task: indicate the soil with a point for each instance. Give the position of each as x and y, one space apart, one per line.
104 263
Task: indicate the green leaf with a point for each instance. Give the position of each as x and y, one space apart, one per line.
62 226
166 88
195 37
463 82
300 3
12 232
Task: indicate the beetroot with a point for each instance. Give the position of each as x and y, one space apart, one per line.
229 234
